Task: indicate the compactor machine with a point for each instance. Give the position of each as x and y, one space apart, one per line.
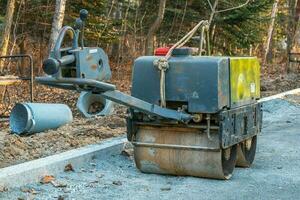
187 115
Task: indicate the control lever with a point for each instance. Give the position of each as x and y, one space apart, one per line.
80 23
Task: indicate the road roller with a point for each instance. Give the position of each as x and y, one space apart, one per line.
187 115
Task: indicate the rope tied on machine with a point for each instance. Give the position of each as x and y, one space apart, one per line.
163 65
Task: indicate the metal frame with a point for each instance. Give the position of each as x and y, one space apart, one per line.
30 77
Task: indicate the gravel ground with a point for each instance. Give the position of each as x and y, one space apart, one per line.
275 173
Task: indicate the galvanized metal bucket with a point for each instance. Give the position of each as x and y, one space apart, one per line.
38 117
87 100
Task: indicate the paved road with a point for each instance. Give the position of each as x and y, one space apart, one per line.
274 175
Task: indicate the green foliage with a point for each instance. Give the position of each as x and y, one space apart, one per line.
1 19
242 27
114 21
238 28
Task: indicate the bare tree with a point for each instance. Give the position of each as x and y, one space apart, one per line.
57 21
270 31
7 29
291 29
155 26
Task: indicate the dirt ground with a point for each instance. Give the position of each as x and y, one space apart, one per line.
17 149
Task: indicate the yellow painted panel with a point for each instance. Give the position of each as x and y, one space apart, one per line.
244 80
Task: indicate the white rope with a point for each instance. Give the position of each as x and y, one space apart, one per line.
163 65
186 38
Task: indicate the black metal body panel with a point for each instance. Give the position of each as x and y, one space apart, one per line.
200 82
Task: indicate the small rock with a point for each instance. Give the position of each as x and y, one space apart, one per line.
3 189
66 190
99 175
127 150
56 183
93 164
279 167
29 190
92 184
95 181
289 122
69 168
165 189
118 183
61 197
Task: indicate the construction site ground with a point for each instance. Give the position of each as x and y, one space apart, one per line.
275 173
16 149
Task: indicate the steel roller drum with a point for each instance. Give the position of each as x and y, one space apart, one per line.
182 151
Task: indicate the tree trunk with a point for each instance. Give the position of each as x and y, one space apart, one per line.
117 15
270 32
155 26
291 29
7 29
57 21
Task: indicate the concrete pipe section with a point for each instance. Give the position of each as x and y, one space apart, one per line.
37 117
91 105
182 151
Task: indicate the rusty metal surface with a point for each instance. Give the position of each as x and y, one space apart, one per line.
206 161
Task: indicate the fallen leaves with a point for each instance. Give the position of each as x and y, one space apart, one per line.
47 179
51 179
